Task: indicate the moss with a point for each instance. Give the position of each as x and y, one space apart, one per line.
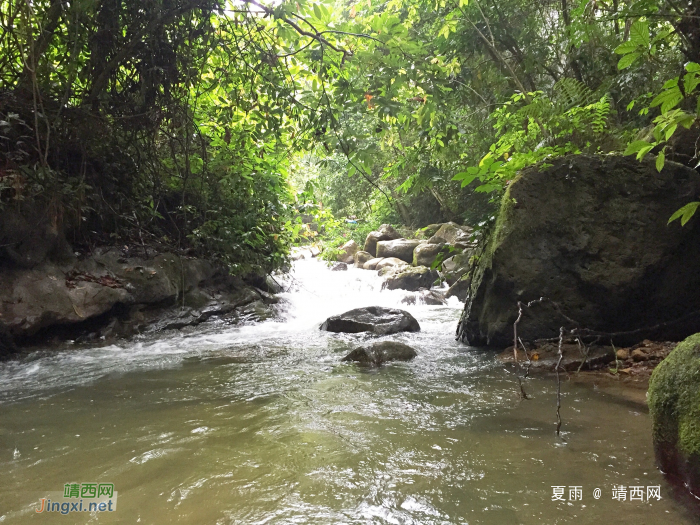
674 399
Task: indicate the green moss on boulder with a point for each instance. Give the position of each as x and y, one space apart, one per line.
674 404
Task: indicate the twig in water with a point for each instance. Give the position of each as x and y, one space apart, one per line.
561 339
523 394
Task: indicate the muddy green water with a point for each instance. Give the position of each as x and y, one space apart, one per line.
263 424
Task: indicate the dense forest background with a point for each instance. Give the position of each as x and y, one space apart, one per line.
207 126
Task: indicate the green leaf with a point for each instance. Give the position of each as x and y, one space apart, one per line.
626 47
667 99
685 213
630 105
468 180
692 67
627 60
642 152
634 147
639 33
670 131
660 159
317 12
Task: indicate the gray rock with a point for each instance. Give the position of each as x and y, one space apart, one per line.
390 262
453 233
166 290
459 289
380 353
373 319
385 233
361 258
428 231
411 278
372 263
457 266
591 234
429 297
426 254
399 248
340 267
347 252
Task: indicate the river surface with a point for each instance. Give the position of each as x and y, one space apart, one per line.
264 425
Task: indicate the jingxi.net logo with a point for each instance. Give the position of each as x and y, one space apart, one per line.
80 497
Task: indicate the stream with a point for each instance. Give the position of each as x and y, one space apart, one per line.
263 424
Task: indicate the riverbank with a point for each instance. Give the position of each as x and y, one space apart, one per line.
116 292
623 372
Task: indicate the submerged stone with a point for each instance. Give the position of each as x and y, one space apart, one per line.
380 353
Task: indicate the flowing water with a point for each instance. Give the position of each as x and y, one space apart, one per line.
264 424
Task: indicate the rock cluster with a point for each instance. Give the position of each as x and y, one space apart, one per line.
407 264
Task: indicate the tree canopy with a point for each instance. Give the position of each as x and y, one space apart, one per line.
193 123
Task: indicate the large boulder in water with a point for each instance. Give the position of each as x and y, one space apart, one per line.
347 252
380 353
674 405
385 233
411 278
374 319
399 248
590 234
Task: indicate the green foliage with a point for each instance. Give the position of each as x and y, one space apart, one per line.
534 127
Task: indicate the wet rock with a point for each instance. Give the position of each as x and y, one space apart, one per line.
385 233
426 254
390 263
339 267
380 353
361 258
674 405
347 252
399 248
429 297
143 294
455 267
315 251
459 289
7 343
410 278
298 255
372 263
373 319
265 282
590 233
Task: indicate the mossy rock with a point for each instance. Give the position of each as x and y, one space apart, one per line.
674 404
589 233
